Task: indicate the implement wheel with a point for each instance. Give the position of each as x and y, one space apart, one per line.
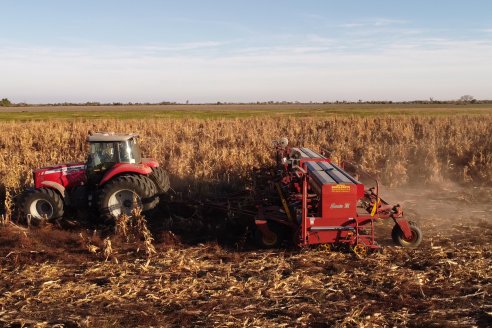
399 238
360 250
263 241
276 236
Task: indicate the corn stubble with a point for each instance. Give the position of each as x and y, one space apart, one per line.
130 277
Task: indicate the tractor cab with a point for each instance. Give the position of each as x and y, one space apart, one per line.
109 149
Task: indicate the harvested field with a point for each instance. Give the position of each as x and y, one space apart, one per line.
53 276
179 270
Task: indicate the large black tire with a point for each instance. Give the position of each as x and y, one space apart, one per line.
399 238
161 179
154 191
149 184
42 203
116 196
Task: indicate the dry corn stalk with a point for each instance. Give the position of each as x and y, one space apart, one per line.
107 249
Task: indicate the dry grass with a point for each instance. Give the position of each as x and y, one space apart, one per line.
143 275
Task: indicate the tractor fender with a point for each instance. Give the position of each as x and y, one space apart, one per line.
405 227
125 168
150 162
58 187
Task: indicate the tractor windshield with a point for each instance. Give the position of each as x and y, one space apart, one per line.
102 154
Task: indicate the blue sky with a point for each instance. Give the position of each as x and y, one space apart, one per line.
207 51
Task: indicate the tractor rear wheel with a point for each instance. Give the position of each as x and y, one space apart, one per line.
399 238
42 203
123 194
161 178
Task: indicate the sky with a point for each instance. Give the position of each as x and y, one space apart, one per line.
244 51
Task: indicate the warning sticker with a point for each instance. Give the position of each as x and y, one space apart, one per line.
340 188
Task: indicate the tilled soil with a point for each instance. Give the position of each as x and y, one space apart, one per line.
69 277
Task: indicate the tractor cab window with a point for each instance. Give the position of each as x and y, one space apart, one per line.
125 152
135 154
129 152
102 155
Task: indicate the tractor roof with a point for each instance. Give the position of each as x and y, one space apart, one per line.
110 136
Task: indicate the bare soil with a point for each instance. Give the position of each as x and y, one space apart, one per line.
60 274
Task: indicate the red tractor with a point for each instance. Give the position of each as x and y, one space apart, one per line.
114 180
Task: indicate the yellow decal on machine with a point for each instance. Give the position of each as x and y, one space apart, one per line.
375 207
340 188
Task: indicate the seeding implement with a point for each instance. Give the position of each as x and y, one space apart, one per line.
114 180
308 199
305 199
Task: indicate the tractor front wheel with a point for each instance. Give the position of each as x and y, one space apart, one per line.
42 203
399 238
123 194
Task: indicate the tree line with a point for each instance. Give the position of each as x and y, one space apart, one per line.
466 99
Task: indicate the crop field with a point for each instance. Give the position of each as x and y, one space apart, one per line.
215 111
190 268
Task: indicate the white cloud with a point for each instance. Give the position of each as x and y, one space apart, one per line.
351 25
375 22
313 69
185 46
386 22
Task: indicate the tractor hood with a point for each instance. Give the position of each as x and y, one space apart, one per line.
66 175
60 168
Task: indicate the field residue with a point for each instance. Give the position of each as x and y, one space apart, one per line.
181 271
53 276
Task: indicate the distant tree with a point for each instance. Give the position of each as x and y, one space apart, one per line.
5 102
467 98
